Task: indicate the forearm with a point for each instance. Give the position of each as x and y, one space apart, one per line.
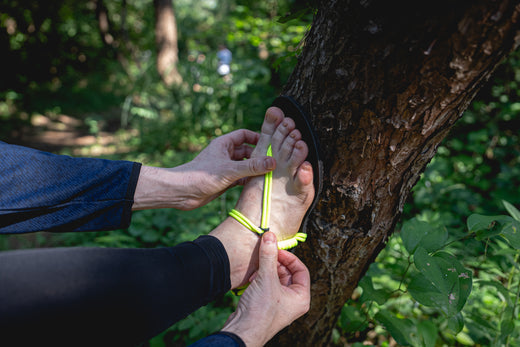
41 191
162 188
120 296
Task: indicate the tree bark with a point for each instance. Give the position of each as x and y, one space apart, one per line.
384 82
166 40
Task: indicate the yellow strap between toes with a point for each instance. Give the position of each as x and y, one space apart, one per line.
264 223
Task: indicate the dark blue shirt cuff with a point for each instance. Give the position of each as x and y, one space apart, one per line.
220 339
41 191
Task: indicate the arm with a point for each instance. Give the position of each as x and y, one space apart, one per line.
43 191
103 296
218 167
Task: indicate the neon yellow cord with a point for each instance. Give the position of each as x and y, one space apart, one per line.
245 221
266 201
293 241
264 223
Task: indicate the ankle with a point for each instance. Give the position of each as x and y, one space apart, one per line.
241 246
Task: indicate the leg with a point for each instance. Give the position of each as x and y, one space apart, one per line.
103 296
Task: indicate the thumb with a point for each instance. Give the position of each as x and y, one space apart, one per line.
268 256
255 166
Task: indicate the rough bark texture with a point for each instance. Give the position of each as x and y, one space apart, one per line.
166 40
383 81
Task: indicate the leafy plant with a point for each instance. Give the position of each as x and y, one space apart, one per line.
451 295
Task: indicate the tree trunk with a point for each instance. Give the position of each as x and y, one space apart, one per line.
384 82
166 40
109 36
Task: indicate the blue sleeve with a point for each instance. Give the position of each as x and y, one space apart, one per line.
40 191
220 339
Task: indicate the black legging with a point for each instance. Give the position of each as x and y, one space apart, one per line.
106 296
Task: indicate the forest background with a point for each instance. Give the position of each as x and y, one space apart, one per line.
77 83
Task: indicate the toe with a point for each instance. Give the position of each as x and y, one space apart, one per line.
282 131
287 146
298 155
304 179
273 118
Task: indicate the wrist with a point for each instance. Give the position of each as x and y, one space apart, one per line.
158 188
251 333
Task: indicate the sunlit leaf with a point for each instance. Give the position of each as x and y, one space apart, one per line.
513 211
500 288
464 339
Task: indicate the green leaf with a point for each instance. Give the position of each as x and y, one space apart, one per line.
513 211
400 329
296 15
511 232
428 332
352 319
456 323
371 294
477 222
415 233
506 328
430 268
443 282
464 339
500 288
423 291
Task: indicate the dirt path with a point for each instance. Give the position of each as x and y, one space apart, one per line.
64 133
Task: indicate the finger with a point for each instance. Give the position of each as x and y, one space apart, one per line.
241 152
241 136
254 167
268 257
300 273
284 275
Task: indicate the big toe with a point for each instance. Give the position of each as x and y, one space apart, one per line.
273 117
304 180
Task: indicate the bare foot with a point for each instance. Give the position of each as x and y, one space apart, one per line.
292 188
291 196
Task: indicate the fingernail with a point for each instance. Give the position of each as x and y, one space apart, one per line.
268 163
269 238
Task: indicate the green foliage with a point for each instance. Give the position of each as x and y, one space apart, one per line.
457 298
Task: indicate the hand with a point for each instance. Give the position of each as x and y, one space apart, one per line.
218 167
279 293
